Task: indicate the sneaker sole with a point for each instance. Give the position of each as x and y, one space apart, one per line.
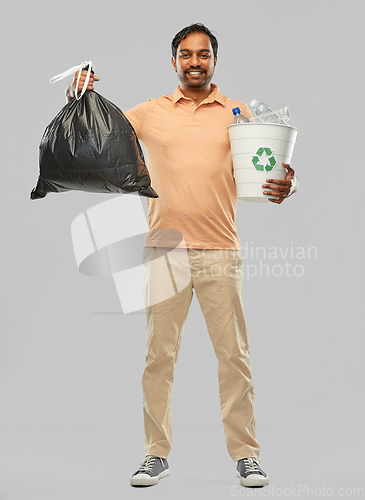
146 480
253 480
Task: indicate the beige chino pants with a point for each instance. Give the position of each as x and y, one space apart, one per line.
217 278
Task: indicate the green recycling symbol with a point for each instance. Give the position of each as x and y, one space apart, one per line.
264 159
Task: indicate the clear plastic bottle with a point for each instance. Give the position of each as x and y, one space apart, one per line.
238 118
266 114
283 112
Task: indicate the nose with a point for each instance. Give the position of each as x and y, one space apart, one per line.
194 61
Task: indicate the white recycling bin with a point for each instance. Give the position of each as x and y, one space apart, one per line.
258 149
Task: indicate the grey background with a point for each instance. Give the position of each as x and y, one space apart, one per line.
71 362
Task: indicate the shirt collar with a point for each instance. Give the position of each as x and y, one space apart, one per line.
215 95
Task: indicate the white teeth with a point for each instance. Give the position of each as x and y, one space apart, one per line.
195 72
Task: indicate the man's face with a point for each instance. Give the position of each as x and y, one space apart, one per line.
195 61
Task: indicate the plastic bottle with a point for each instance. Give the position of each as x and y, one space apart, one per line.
238 118
283 112
265 113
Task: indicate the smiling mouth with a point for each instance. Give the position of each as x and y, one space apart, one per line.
195 76
195 73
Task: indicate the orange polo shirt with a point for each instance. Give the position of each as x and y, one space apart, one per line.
190 164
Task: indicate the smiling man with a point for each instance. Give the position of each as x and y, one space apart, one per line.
190 163
195 63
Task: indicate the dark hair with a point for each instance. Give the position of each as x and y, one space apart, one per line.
193 28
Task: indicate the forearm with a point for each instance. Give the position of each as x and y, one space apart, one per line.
70 91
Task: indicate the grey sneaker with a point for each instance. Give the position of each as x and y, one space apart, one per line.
152 469
250 473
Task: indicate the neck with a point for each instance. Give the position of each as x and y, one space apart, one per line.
197 95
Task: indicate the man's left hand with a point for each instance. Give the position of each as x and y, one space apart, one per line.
280 188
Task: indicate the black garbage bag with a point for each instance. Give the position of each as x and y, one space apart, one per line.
91 146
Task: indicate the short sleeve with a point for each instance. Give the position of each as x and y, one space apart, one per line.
137 117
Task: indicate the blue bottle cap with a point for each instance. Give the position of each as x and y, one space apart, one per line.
236 111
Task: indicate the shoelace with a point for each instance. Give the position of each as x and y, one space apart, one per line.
251 465
148 463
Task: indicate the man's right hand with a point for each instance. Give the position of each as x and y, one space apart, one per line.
83 76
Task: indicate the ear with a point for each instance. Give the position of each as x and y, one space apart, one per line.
215 62
174 63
